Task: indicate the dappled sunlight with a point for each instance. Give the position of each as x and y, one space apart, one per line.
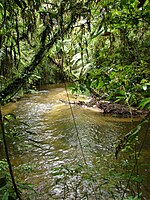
54 143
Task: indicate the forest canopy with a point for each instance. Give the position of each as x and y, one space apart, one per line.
102 47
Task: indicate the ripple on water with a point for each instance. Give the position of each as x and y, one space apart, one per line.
56 139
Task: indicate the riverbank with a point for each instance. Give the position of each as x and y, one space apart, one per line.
108 107
96 104
48 150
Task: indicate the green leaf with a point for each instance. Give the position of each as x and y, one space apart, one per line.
9 117
5 196
1 5
133 134
122 92
19 3
97 34
26 186
119 98
100 84
53 15
145 103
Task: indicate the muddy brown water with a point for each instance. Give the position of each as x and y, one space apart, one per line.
50 149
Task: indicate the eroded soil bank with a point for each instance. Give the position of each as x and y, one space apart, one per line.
108 107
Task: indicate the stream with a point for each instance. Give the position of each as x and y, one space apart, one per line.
66 151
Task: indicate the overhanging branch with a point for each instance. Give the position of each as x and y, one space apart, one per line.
7 93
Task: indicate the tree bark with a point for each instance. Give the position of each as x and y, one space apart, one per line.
12 88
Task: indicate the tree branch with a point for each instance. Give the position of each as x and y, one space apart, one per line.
7 93
7 156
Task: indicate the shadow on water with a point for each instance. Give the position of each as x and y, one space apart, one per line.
51 142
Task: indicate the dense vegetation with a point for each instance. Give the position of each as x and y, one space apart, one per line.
101 47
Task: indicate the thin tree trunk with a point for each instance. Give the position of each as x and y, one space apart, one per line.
7 156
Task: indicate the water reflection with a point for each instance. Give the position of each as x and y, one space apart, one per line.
52 141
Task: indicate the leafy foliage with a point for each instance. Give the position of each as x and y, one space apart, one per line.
6 188
102 47
118 63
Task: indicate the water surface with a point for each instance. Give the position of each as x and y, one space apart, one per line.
51 145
